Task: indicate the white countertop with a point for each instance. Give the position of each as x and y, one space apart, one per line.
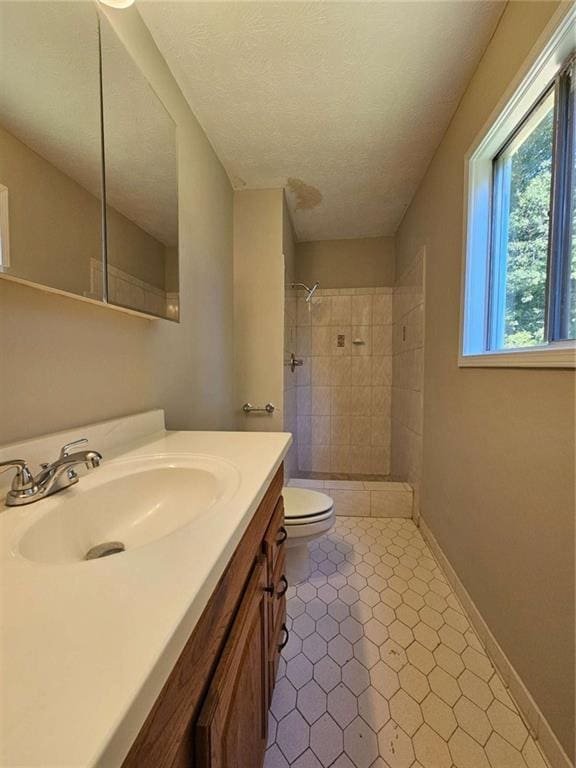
85 649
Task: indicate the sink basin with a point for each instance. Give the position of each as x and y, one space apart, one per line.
132 502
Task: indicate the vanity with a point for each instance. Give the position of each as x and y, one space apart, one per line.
164 654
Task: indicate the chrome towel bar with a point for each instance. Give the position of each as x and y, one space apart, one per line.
249 408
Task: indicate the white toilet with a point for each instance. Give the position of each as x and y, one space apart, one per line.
307 515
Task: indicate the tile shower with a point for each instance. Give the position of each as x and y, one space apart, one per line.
344 387
355 404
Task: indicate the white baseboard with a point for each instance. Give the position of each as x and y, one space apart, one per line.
535 720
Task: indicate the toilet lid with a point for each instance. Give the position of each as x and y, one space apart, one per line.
300 503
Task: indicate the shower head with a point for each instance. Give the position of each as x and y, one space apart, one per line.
309 291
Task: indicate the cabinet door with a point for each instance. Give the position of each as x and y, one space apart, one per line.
231 729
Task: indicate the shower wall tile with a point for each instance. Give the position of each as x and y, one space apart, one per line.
382 339
361 401
339 458
382 310
321 340
303 340
303 313
341 401
380 431
361 430
304 428
304 455
320 430
340 430
321 312
361 307
379 456
360 460
321 370
381 401
381 373
320 458
304 401
320 401
341 371
344 407
361 370
341 310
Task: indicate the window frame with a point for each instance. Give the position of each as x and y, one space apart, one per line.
559 266
4 229
530 88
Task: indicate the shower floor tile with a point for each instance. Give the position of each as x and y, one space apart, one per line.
383 669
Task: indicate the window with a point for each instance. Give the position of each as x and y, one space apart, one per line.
520 271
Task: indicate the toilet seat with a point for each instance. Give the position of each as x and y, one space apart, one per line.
303 506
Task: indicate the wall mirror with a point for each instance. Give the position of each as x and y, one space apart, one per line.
141 186
79 123
50 144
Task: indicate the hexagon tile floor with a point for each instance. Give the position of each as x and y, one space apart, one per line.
382 669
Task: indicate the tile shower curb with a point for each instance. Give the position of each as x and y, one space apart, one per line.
534 719
358 498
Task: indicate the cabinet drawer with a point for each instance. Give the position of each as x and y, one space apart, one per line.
274 538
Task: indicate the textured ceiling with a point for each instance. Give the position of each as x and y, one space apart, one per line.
343 103
49 99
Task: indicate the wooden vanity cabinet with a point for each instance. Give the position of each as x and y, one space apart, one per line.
231 729
213 709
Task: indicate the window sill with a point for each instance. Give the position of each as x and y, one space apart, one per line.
553 356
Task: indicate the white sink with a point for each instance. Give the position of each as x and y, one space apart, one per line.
132 501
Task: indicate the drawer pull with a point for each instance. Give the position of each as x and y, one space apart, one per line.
284 642
284 583
282 535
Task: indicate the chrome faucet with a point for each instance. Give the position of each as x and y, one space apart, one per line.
52 478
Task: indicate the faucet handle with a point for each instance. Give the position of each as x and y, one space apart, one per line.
65 450
23 480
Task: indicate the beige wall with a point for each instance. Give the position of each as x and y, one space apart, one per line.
288 244
407 375
362 263
498 471
64 363
259 306
290 408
